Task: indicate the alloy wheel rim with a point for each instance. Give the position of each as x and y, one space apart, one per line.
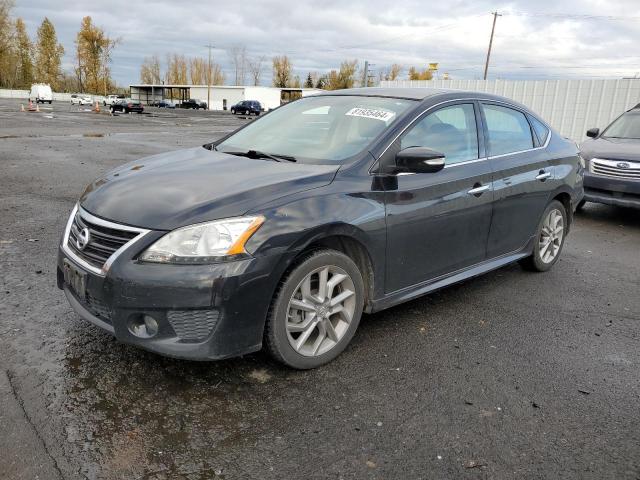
320 311
551 236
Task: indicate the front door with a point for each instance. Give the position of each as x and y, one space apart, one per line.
438 223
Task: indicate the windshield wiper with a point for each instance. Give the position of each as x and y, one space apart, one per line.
258 154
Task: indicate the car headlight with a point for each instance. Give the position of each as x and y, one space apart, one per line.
204 242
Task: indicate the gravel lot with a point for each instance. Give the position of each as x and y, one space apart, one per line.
511 375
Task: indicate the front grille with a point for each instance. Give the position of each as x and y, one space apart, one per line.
622 169
193 325
103 240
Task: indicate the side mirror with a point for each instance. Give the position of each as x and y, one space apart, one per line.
593 132
419 160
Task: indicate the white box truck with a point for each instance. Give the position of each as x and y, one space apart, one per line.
41 93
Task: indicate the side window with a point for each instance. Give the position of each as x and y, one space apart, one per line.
450 130
509 130
541 130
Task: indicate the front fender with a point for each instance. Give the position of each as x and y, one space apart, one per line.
293 226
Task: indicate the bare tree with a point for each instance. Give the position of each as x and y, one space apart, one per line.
198 71
176 69
238 56
281 71
150 70
255 66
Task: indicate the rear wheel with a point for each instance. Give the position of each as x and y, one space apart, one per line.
549 239
316 310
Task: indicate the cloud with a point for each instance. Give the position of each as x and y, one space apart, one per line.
317 36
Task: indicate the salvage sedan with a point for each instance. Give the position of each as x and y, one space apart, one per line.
283 233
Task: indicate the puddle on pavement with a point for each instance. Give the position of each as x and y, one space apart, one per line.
133 414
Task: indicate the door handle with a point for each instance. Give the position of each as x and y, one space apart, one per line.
542 176
478 189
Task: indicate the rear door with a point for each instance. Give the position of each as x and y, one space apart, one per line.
438 223
523 177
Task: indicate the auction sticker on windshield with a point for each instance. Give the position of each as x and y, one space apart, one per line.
383 115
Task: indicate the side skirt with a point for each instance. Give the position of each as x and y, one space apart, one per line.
429 286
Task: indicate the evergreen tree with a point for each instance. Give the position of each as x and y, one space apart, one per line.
309 82
48 55
7 57
24 50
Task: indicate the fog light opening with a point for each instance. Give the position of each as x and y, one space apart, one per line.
143 326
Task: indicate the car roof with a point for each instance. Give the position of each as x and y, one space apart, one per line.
417 93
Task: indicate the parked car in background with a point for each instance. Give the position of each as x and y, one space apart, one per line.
78 99
110 99
282 233
163 104
247 107
613 162
194 104
126 105
41 93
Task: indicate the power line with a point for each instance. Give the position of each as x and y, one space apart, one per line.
575 16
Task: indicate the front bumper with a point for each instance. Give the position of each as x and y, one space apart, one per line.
203 312
611 191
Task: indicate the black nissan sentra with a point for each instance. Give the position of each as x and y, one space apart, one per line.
281 234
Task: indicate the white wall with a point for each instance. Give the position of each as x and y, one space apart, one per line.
268 97
62 97
570 106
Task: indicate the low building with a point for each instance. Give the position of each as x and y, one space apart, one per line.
220 97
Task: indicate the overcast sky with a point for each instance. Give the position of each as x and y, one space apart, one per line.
540 40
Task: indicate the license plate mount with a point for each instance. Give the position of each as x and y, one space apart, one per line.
75 278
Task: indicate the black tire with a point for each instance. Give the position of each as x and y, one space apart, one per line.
534 262
580 205
275 335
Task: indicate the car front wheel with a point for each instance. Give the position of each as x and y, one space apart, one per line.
550 238
316 310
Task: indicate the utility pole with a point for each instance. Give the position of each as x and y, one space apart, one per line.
493 29
209 46
365 79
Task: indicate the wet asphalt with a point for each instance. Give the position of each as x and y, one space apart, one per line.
510 375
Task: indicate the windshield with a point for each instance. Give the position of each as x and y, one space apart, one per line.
319 129
626 126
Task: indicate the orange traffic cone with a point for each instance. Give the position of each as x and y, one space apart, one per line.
97 107
37 107
21 107
31 109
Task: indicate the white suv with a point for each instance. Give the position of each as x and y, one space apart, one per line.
77 99
111 99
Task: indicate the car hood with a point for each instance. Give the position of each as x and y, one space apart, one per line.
612 148
181 188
